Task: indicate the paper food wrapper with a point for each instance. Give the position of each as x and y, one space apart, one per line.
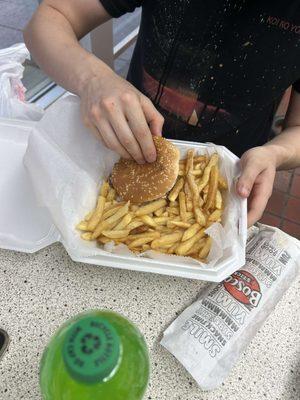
67 165
210 335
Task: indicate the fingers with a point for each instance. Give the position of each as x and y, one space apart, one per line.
246 180
126 136
258 199
153 117
110 138
126 121
140 129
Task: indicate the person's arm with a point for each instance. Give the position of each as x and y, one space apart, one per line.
122 117
260 163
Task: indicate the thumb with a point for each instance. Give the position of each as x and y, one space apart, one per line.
246 180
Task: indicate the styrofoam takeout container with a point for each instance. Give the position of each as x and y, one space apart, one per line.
26 227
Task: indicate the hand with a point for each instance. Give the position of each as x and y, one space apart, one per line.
122 117
257 179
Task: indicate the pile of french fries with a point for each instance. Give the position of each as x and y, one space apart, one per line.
174 224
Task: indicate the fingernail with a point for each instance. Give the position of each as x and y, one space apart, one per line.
244 191
151 158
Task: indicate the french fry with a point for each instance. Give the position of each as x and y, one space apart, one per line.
173 210
205 178
146 247
116 234
103 240
111 194
111 211
160 211
182 206
181 172
97 215
205 189
82 226
203 253
173 219
197 172
166 239
199 215
189 215
215 216
135 224
200 159
151 207
165 214
148 221
196 247
193 186
123 223
213 187
191 231
86 236
180 224
108 205
161 220
201 200
111 221
171 250
88 215
104 189
222 183
189 204
153 235
219 200
187 190
189 166
140 242
176 189
173 204
200 166
134 207
185 246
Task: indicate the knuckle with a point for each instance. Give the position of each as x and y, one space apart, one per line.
113 147
108 103
126 141
160 118
94 112
141 133
127 97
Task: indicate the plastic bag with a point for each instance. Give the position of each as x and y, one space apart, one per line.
12 91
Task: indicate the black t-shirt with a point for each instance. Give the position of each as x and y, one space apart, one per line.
215 69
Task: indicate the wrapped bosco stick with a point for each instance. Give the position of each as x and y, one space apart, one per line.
164 207
208 337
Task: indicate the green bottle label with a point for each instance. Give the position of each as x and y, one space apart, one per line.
91 350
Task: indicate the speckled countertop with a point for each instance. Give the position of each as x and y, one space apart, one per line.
40 291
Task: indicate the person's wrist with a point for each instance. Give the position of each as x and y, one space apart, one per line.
93 69
279 153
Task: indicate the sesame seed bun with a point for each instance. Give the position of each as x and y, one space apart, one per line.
140 183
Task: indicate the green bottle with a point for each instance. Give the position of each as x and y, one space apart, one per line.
95 355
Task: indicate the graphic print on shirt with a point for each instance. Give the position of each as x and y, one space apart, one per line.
215 69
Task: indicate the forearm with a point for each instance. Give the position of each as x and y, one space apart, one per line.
286 148
55 47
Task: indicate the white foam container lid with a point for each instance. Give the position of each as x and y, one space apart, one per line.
23 226
28 228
